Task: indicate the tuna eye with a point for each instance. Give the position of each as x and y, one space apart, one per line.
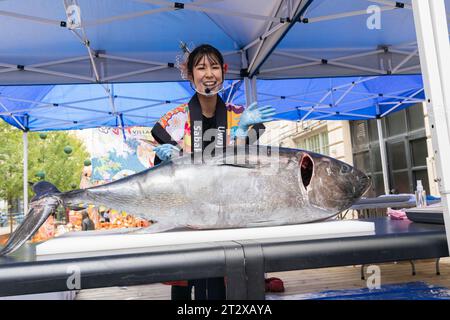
306 170
345 169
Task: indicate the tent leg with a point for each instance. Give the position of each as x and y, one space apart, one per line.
254 92
434 49
438 271
413 267
248 91
247 80
383 157
25 172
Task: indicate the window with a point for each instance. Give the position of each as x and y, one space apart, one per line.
316 143
406 149
415 117
360 134
361 160
376 156
396 153
396 123
419 152
373 129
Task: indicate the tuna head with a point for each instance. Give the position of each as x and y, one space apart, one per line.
331 184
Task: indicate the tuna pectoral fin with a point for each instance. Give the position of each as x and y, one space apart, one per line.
36 216
245 166
155 228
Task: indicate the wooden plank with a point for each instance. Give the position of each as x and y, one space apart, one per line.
299 281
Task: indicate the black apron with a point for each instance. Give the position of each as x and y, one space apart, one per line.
196 119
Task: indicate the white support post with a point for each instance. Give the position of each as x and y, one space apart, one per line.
25 172
383 154
434 49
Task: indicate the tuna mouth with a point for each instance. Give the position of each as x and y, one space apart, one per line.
306 170
364 183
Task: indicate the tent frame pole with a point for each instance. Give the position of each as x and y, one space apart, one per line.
278 32
405 60
398 104
383 154
328 113
221 11
247 82
346 14
337 60
261 38
268 32
248 91
432 37
390 3
254 89
25 172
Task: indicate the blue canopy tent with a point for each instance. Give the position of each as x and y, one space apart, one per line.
137 40
72 107
66 107
69 107
104 42
345 98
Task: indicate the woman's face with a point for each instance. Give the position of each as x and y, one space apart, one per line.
207 74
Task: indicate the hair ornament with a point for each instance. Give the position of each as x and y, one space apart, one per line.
182 59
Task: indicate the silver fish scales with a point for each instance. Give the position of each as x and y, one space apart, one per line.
247 187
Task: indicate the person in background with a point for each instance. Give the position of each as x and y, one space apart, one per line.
106 216
86 223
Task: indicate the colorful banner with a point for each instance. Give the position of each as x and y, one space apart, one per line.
114 156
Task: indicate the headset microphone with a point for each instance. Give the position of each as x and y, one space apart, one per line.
208 92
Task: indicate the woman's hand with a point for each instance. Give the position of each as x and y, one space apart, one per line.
253 115
166 151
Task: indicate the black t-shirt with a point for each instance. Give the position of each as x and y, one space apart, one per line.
208 123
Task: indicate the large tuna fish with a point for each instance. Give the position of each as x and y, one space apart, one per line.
278 186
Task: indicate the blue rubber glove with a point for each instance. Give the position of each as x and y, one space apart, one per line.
252 115
166 151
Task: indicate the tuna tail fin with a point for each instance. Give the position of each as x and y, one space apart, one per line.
44 203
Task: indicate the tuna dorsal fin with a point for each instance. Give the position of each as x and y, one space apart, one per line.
44 188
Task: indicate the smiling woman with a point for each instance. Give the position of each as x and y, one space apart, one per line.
204 127
206 70
206 123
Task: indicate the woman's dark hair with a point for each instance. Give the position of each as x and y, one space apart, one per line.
213 55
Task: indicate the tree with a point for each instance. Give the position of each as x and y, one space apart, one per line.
10 158
48 159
